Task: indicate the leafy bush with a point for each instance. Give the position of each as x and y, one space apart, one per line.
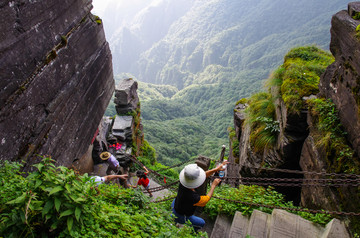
254 194
57 202
332 136
261 117
302 69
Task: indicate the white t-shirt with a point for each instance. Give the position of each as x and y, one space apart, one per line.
98 180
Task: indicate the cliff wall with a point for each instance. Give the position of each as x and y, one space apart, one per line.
56 79
341 81
302 143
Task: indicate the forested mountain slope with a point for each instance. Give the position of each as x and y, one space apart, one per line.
214 52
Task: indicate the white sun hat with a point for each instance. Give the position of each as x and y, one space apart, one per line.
192 176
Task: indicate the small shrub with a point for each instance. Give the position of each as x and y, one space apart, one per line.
332 136
254 194
356 16
97 19
299 76
357 35
242 101
261 117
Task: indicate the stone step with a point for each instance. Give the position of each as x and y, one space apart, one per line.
279 224
239 226
222 226
285 224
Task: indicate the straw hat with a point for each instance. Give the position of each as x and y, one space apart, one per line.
192 176
105 155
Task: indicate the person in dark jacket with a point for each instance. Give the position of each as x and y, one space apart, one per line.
187 199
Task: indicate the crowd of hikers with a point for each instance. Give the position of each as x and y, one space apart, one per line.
187 199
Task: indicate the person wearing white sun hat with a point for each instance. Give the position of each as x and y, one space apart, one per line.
187 199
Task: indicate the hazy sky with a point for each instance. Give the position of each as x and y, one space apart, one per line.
100 5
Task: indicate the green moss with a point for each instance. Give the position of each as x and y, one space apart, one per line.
147 151
261 117
64 41
51 56
356 16
242 101
234 141
276 77
332 137
97 19
300 74
357 35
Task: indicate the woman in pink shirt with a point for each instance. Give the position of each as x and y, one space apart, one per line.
112 162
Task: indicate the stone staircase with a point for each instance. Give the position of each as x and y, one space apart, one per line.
279 224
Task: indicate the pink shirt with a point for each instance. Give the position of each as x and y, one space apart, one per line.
113 162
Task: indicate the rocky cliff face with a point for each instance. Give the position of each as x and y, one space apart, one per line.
341 82
296 147
56 79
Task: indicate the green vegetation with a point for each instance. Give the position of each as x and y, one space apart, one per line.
211 67
332 137
298 77
57 202
234 143
97 19
261 117
50 56
356 16
358 32
254 194
149 91
194 121
302 69
64 41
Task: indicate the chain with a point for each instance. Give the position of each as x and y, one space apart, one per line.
295 182
291 209
133 158
305 172
164 200
156 189
300 184
296 179
176 165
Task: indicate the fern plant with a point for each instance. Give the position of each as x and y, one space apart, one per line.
261 117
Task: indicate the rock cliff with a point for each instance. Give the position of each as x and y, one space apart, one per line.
300 143
341 82
56 79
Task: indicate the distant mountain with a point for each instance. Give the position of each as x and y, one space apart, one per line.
182 42
214 52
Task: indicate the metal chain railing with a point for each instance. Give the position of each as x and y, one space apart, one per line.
164 200
176 165
299 182
159 188
323 182
339 213
166 186
355 176
134 159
